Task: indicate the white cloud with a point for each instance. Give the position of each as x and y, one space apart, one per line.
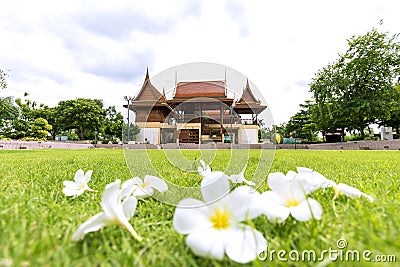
100 49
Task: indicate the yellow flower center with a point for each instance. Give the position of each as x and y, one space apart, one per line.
144 185
220 219
337 191
292 203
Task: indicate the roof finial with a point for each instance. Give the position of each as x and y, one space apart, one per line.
176 77
225 76
147 74
247 83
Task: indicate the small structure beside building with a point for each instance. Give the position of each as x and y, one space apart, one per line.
199 112
386 133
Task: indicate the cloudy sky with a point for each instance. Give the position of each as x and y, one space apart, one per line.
59 50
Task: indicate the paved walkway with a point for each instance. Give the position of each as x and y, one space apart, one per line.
37 145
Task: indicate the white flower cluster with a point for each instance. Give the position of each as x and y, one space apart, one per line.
118 202
217 225
220 223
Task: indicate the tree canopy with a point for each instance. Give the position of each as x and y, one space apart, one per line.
359 88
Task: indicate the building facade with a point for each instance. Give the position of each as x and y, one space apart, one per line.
199 112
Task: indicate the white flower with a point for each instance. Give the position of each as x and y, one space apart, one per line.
312 180
214 226
204 170
288 197
142 189
239 178
344 189
118 208
79 185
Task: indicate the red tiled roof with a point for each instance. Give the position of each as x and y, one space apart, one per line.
200 89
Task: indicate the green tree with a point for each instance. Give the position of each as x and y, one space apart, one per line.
40 128
29 110
302 123
370 65
130 134
3 82
84 115
8 111
355 91
392 119
113 124
329 110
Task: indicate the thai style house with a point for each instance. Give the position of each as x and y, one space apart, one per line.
199 112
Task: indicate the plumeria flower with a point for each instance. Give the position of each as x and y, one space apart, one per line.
142 189
288 197
214 226
204 170
118 209
79 185
311 180
344 189
239 178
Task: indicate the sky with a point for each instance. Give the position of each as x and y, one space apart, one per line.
60 50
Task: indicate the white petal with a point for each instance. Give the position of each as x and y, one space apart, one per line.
308 182
207 243
280 184
157 183
303 169
287 187
129 206
243 243
200 170
72 192
203 164
71 185
191 215
127 188
242 203
214 186
110 201
238 178
307 210
79 177
137 180
273 207
88 175
291 175
204 170
141 192
312 181
368 197
95 223
349 190
324 182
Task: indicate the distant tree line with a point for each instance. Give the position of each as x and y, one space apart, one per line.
79 119
360 88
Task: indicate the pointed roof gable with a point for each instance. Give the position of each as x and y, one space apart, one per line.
248 96
248 103
148 92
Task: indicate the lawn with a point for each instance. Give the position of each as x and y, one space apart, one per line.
37 220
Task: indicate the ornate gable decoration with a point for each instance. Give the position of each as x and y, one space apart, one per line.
148 93
248 96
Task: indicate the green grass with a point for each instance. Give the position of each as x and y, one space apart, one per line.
37 220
